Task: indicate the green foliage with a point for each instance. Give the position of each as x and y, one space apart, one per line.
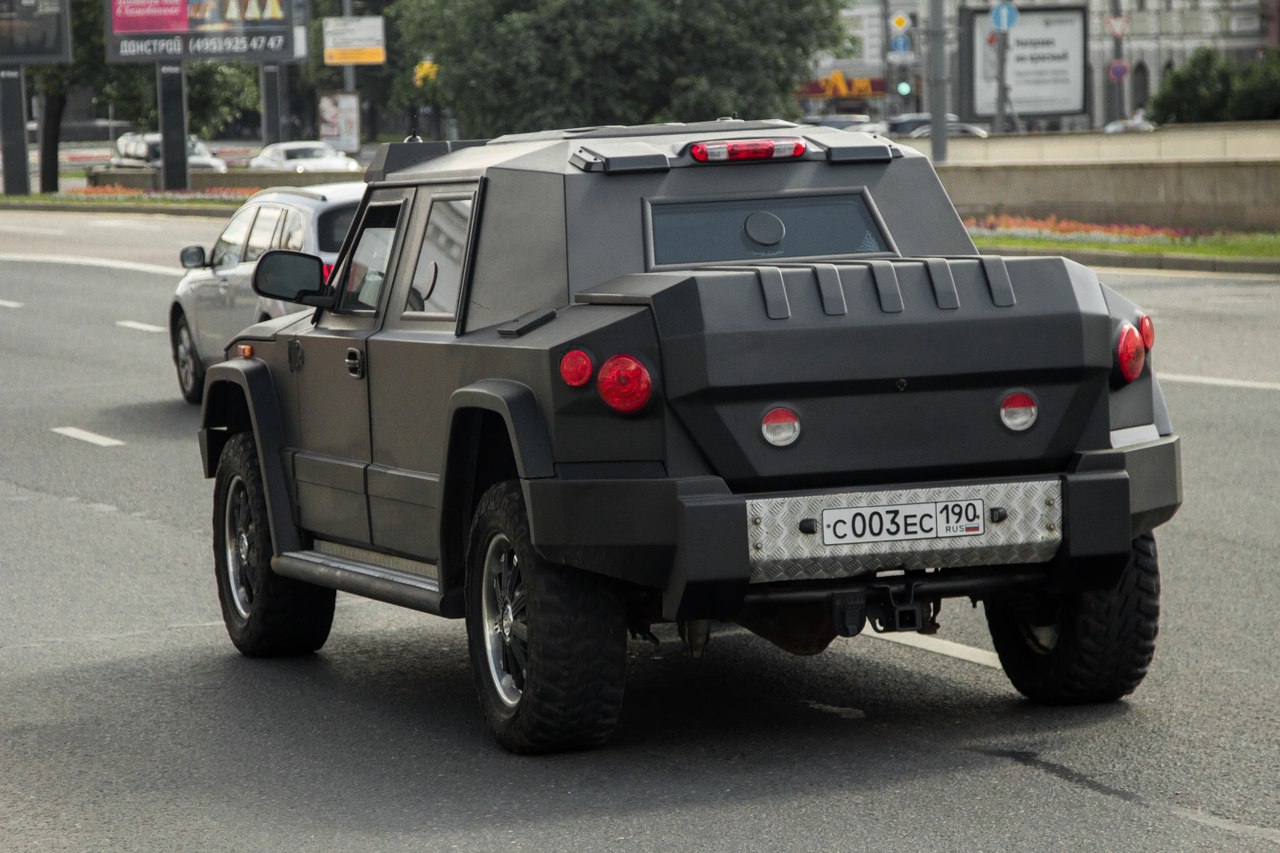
1195 92
515 65
1256 92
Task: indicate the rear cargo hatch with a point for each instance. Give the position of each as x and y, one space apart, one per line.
896 368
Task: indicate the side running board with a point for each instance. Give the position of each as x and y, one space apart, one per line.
395 580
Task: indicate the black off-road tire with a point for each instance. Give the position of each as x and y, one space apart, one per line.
548 643
266 615
1085 646
186 360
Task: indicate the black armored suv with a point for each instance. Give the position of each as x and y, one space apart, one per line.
571 384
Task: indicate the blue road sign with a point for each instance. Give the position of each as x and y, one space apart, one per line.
1004 16
900 44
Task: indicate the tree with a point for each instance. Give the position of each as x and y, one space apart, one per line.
1198 91
514 65
1255 94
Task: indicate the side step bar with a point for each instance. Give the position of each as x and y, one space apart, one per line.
347 574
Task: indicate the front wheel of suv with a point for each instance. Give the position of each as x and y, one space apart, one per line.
266 615
1084 646
547 642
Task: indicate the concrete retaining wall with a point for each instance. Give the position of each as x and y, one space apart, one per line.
147 179
1204 195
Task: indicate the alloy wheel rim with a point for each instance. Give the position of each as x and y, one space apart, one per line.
504 618
186 358
238 537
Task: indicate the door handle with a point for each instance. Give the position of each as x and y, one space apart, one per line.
355 363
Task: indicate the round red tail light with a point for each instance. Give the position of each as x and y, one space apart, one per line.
1148 331
576 368
624 384
780 426
1018 411
1131 355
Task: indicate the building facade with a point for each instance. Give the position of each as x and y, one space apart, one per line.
1155 37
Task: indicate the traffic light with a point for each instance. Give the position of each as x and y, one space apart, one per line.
904 88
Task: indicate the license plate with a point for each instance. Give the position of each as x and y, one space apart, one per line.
898 522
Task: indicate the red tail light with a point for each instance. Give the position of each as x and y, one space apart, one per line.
624 384
326 270
747 149
1131 355
1018 411
780 426
576 368
1148 331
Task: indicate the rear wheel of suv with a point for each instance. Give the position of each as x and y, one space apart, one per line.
548 643
1085 646
266 615
187 361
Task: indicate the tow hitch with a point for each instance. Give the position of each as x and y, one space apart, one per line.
851 610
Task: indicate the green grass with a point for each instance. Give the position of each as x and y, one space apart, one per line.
1242 245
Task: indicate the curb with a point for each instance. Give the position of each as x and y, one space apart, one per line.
210 210
1159 261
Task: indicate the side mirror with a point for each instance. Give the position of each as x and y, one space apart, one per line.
292 277
192 257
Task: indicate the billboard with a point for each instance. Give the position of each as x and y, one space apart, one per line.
35 32
175 30
354 41
339 114
1046 68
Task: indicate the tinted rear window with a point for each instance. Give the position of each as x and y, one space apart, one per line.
759 229
332 227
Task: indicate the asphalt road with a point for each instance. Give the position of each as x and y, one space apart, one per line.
127 720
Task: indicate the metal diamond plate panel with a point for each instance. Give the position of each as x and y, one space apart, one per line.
1031 533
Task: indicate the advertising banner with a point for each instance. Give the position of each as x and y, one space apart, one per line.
339 114
35 32
1046 66
174 30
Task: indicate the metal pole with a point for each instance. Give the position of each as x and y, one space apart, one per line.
348 71
938 81
1117 53
884 61
1002 88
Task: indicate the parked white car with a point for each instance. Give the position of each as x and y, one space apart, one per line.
215 298
304 157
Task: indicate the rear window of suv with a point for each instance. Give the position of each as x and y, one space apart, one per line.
332 227
763 229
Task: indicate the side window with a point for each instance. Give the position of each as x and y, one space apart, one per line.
230 245
291 234
437 275
264 228
365 273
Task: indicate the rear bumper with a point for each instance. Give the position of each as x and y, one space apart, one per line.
705 547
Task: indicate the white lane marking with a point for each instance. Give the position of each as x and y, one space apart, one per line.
1214 380
941 647
126 225
5 303
1262 833
85 435
139 327
92 262
32 229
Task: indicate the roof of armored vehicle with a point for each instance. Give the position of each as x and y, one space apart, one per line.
645 147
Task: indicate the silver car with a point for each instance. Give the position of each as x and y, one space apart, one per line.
304 157
215 300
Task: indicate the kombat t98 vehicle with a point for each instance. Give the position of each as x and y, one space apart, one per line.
572 383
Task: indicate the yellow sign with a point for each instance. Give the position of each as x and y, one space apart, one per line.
424 71
355 55
900 23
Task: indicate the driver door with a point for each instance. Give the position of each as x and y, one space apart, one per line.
330 363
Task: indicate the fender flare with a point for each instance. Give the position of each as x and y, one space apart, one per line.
518 407
220 419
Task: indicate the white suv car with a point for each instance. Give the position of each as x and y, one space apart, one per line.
214 299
